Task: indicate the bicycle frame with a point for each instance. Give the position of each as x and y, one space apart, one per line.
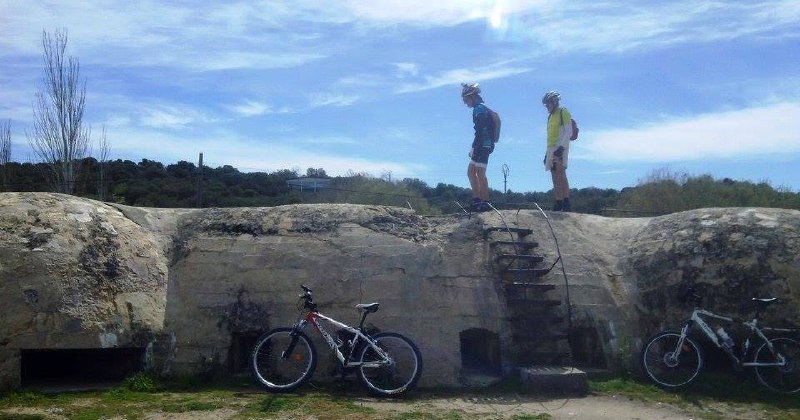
314 317
696 318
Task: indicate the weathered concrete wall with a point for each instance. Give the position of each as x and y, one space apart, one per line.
74 273
730 255
78 273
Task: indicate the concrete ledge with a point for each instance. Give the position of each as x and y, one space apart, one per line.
559 380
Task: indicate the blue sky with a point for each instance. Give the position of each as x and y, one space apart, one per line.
694 86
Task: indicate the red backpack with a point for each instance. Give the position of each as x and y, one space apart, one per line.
574 135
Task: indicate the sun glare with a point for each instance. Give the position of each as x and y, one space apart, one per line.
497 18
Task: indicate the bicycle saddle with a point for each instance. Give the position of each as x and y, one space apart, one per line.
764 301
368 307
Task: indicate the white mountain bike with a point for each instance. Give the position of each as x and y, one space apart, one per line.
283 359
672 359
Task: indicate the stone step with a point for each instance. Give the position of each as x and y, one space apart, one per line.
519 257
516 244
558 380
533 302
534 287
545 319
520 231
512 274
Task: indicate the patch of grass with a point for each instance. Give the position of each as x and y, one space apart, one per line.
25 399
417 415
124 395
141 382
186 406
713 394
277 403
323 406
12 416
543 416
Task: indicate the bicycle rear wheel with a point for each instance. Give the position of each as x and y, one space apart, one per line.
278 371
397 375
667 368
783 379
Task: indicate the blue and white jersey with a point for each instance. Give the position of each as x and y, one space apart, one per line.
484 126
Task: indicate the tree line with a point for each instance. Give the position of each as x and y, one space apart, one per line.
152 184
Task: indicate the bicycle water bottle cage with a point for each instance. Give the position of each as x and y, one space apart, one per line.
368 308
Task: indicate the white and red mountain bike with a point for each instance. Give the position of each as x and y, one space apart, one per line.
283 359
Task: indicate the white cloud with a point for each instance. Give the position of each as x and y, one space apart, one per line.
242 35
334 100
610 26
406 69
171 117
440 12
765 130
455 76
251 108
225 148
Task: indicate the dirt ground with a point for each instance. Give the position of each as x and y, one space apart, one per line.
425 406
590 407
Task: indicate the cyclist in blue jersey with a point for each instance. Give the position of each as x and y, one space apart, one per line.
482 146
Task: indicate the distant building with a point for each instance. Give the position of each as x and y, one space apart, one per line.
309 184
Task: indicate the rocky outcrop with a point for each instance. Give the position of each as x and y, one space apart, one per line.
195 287
75 273
729 255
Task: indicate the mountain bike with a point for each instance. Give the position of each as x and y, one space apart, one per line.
387 363
672 359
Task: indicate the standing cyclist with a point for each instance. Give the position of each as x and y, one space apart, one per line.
559 131
482 146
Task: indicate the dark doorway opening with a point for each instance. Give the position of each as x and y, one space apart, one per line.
587 350
79 366
480 351
239 353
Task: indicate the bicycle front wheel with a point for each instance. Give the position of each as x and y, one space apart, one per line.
396 375
668 365
785 378
282 361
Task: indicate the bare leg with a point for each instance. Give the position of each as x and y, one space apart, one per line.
483 184
563 184
554 173
473 179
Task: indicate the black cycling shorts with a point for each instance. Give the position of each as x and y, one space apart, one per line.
480 156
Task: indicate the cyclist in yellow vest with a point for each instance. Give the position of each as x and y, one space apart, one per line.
559 131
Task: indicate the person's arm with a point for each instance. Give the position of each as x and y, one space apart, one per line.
565 131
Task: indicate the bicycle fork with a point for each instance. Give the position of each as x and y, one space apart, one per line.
672 359
293 342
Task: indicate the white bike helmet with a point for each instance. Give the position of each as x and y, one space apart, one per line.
469 89
551 96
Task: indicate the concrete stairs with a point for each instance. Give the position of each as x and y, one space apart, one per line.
539 338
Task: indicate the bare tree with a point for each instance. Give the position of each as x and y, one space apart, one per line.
5 152
104 150
58 136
